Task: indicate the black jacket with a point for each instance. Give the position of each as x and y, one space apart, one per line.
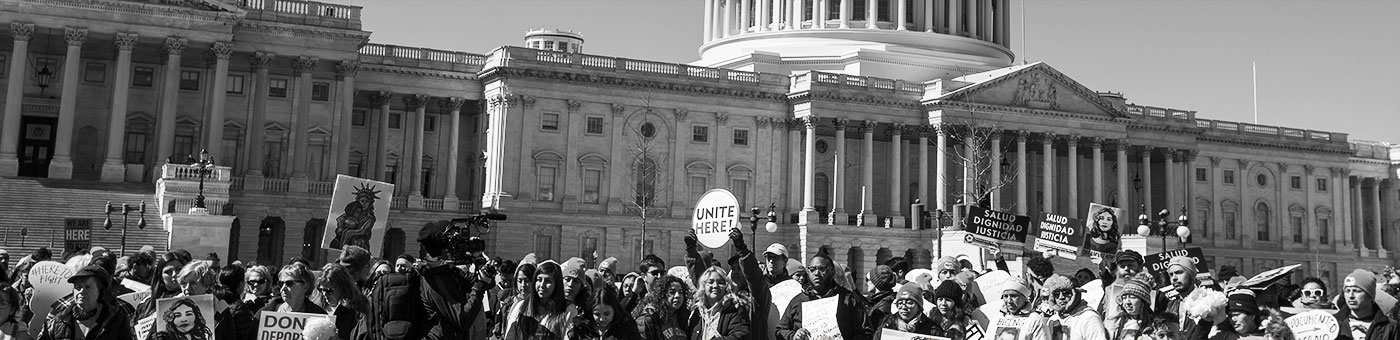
879 309
850 313
236 323
306 305
921 325
733 321
1382 328
762 297
112 324
451 302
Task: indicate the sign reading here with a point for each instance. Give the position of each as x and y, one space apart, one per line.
715 213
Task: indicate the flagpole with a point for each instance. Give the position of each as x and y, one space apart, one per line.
1254 68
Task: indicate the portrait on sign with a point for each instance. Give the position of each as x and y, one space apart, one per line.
1103 229
186 317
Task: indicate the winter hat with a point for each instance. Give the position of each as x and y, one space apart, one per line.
1018 285
529 259
1138 287
1054 283
951 290
794 267
1242 300
1362 279
1129 255
947 263
573 267
608 263
1185 263
910 291
882 277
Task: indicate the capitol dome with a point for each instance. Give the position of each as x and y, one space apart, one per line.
936 39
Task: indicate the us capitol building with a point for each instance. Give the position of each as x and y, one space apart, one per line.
841 115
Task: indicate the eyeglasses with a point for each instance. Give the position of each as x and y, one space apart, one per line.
290 282
326 290
905 303
257 282
656 273
1312 292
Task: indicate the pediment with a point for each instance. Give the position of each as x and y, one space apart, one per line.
1034 86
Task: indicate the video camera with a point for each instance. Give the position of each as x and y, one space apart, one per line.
460 245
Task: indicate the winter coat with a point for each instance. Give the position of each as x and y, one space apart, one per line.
850 313
1084 323
236 323
759 287
879 309
448 309
921 325
625 329
112 324
656 325
306 305
733 323
1382 328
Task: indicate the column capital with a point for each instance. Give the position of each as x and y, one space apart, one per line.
809 121
174 45
1049 138
993 133
840 123
260 60
504 100
1308 169
1243 164
451 104
617 109
1282 167
895 128
346 68
1022 136
527 101
415 101
721 117
926 130
379 98
680 114
125 41
21 31
1214 161
74 36
573 105
305 64
794 124
1096 142
761 122
221 50
866 126
1071 141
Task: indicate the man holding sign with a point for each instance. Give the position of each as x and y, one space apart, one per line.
850 307
90 316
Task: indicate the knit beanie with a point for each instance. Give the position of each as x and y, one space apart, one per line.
794 267
1139 286
1242 300
1018 285
573 267
1185 262
910 291
882 277
1362 279
609 263
947 263
951 290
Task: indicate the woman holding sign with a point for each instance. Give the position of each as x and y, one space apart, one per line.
908 313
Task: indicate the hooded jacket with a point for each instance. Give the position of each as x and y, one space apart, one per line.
1382 328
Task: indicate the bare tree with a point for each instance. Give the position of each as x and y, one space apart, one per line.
651 181
979 166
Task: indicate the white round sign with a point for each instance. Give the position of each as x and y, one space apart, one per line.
715 213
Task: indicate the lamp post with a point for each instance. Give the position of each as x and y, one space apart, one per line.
203 166
771 226
937 217
1163 222
125 209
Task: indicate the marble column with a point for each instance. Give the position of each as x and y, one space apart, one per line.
1047 151
940 17
114 167
303 66
903 11
498 109
896 169
14 97
809 172
1072 165
798 11
924 130
845 13
795 165
1121 147
1022 206
872 19
954 14
762 15
1169 157
1337 188
1147 180
345 72
419 104
219 53
709 19
170 100
744 19
1356 207
838 176
940 195
454 108
61 166
727 25
381 100
1096 144
818 15
1376 216
969 170
253 179
995 183
867 175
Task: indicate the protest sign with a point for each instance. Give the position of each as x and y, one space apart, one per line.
783 292
1058 235
144 326
286 325
1313 325
989 285
1093 292
819 318
1268 277
359 212
185 317
991 229
1008 328
77 234
890 334
1102 229
50 282
139 292
1158 263
715 213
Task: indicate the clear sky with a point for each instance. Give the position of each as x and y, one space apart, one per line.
1331 65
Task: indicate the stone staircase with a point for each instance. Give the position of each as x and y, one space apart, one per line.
42 204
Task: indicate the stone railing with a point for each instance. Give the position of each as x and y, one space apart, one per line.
432 204
398 203
1265 130
804 81
276 185
303 12
506 55
189 173
183 205
422 54
322 188
1158 112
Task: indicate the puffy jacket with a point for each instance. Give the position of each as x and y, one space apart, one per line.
448 308
921 325
850 313
878 311
1382 328
733 323
112 324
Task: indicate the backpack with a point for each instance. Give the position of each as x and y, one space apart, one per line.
395 306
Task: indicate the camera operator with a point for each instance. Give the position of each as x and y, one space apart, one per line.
454 261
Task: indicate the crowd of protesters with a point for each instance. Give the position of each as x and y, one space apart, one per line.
446 297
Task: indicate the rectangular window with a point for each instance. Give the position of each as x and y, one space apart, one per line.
549 45
592 183
429 123
564 46
1201 175
697 187
94 73
136 147
595 125
394 118
356 167
545 181
1297 224
277 88
544 246
272 159
1228 177
427 182
320 91
740 188
550 122
189 80
391 173
143 76
1230 227
1324 230
741 137
1203 215
588 250
235 84
357 118
184 146
1322 184
700 134
1295 182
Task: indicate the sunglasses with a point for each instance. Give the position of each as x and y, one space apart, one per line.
1063 294
290 282
1312 292
257 282
326 290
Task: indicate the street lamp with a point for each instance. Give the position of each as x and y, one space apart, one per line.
203 166
937 216
125 210
1163 222
771 226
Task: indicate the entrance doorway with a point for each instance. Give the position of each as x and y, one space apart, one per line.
36 145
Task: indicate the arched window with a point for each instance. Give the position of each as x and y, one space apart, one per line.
271 236
394 240
1261 220
311 240
646 174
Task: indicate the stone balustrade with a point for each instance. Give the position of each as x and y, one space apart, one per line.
303 12
189 173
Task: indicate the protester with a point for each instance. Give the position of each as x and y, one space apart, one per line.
11 327
652 267
235 320
1038 269
775 259
908 314
610 320
1062 303
553 311
1133 311
1015 297
89 316
1125 267
798 272
166 286
1083 276
574 281
880 298
755 285
337 293
721 313
296 283
634 289
664 315
1313 295
519 321
404 263
1181 272
1244 318
900 266
140 268
1360 317
850 310
608 270
258 286
947 268
950 312
450 290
